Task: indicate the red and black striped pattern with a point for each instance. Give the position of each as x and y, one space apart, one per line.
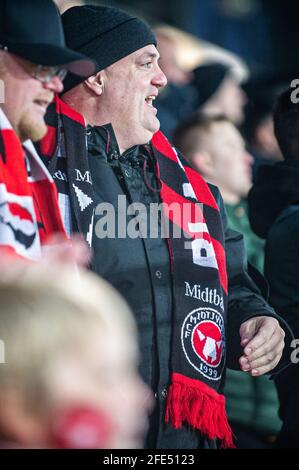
197 364
74 162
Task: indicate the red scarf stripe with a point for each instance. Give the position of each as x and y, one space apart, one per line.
63 108
201 189
163 146
171 197
221 260
48 143
51 216
13 149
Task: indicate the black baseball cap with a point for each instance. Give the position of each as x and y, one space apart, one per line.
32 29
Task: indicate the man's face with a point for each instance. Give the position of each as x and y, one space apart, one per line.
26 99
130 88
103 376
231 163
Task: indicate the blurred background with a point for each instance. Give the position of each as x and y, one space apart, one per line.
264 33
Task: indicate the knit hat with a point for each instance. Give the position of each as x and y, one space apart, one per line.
208 79
104 34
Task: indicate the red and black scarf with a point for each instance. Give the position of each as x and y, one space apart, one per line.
198 270
29 211
200 297
62 118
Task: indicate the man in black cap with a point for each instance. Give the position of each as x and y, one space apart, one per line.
33 63
32 46
177 286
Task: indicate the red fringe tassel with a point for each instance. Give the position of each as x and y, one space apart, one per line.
200 406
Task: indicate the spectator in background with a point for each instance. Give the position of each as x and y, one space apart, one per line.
274 215
70 374
168 58
215 148
257 128
175 102
33 62
219 91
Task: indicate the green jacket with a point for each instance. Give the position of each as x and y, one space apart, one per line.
251 401
238 220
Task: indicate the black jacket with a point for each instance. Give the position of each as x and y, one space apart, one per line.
140 271
274 213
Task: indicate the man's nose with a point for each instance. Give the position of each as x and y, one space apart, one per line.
160 79
55 85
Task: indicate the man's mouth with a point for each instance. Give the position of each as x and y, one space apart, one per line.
150 100
43 103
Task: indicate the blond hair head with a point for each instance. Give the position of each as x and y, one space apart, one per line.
46 311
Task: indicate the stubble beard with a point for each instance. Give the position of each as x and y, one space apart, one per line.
29 129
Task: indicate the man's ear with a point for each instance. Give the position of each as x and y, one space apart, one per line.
203 163
95 83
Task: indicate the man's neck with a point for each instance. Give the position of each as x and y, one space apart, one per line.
228 196
88 107
80 100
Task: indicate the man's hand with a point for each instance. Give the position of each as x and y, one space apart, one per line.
61 250
263 341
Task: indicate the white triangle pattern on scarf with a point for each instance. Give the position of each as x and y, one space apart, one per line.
84 200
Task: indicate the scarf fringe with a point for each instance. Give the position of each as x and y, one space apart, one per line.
201 407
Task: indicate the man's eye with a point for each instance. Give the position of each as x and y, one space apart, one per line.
147 65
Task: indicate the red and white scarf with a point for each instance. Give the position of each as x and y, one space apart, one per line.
29 211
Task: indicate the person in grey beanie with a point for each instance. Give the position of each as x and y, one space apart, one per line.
113 169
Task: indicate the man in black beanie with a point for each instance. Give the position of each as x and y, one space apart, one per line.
111 190
219 91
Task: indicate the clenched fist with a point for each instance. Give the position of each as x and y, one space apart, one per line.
263 341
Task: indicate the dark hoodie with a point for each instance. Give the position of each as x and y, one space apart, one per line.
276 188
274 214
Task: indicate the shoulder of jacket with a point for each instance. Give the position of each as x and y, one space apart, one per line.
216 193
286 224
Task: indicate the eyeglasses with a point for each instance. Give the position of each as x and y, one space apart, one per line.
46 74
42 73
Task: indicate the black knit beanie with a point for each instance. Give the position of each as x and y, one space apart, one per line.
208 79
104 34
